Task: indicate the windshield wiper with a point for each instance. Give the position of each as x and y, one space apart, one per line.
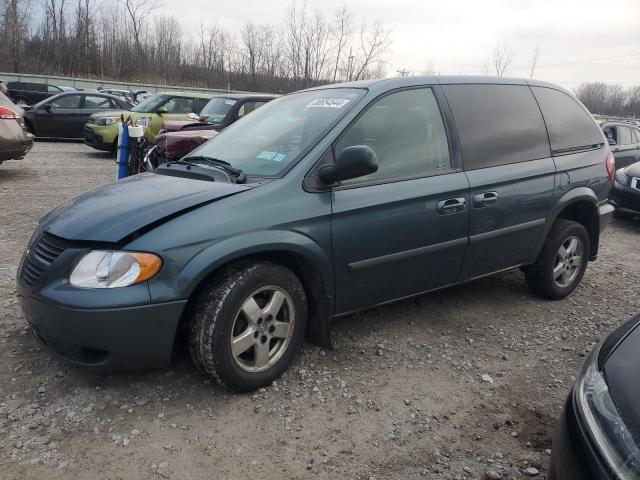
238 174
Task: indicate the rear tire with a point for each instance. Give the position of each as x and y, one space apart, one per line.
562 261
248 324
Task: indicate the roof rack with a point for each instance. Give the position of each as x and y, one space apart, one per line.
614 118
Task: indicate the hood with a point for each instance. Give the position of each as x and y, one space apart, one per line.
178 144
177 125
114 211
621 373
115 113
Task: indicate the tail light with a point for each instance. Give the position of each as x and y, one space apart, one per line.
610 163
7 113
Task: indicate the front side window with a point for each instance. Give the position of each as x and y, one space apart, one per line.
406 131
93 103
179 105
273 137
66 102
636 135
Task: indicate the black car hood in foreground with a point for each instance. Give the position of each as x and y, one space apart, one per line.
621 371
112 212
633 170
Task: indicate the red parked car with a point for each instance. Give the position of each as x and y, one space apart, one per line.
179 137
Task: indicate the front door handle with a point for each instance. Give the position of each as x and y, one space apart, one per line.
451 205
483 199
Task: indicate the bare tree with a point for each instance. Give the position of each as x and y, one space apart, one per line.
139 11
534 61
341 32
499 60
14 26
374 43
602 98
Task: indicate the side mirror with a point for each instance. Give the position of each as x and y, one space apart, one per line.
161 111
353 162
48 107
611 141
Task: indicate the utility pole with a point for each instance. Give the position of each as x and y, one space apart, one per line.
350 64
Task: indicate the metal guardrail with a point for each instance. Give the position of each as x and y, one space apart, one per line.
86 83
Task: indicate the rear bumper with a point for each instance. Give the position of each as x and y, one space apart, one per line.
106 338
16 142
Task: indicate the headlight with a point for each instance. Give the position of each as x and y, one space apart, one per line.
600 416
621 176
103 121
110 269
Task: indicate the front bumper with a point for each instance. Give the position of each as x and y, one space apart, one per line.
112 328
625 199
100 138
108 338
573 456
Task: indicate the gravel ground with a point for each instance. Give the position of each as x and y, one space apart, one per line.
462 384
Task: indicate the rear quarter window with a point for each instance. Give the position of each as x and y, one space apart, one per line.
497 124
570 125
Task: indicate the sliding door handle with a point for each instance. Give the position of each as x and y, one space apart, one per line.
451 205
483 199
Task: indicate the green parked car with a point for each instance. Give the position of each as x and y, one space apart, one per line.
101 130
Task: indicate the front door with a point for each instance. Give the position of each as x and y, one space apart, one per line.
402 230
60 118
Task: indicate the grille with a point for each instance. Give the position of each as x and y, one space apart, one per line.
43 253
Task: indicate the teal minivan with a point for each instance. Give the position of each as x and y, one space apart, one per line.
320 203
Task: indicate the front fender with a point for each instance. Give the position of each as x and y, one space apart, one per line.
252 243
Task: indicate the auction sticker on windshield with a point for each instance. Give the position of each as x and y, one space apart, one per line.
143 122
328 103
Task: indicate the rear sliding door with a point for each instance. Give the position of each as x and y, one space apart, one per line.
507 159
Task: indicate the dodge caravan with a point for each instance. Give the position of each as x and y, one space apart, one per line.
320 203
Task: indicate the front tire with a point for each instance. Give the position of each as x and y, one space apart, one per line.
248 324
562 261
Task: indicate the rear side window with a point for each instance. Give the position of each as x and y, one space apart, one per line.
570 125
497 124
406 131
624 134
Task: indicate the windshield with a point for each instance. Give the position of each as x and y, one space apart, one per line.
217 109
151 104
273 136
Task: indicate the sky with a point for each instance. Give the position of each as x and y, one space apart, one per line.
578 40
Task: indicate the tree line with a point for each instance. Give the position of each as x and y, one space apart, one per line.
605 99
129 40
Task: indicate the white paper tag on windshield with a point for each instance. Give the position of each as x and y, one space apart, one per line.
328 103
228 101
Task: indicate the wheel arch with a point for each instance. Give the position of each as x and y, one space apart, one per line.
579 205
297 252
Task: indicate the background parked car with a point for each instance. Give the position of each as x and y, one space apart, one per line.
64 115
69 89
599 432
183 136
14 141
30 93
101 130
222 111
624 138
625 194
126 94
